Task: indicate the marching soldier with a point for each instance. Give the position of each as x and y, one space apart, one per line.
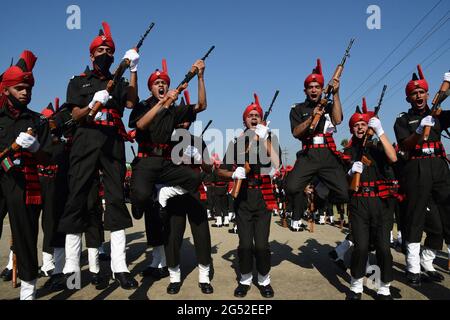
425 175
99 145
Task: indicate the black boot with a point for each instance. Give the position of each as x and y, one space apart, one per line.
6 274
241 290
174 287
206 288
125 280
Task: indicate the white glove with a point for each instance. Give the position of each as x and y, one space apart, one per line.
357 166
447 76
375 124
262 131
192 152
133 56
428 121
100 96
27 141
239 174
206 189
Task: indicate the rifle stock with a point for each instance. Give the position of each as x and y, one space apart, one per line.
440 96
14 146
238 183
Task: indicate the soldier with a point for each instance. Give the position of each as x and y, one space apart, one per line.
425 175
319 156
99 145
18 175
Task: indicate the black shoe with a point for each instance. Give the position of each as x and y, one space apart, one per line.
241 290
266 291
104 256
206 288
157 273
174 287
6 274
383 297
125 279
57 282
354 296
226 224
215 225
233 230
333 255
414 279
99 281
45 274
434 276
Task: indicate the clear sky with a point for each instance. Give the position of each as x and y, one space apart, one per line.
261 46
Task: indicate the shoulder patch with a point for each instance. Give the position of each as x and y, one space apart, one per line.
401 114
294 105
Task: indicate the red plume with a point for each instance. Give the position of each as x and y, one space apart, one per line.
164 66
56 104
364 106
106 29
421 76
187 97
319 67
30 60
257 100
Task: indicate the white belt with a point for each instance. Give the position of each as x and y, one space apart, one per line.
318 140
428 151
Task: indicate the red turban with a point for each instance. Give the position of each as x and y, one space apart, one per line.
316 75
164 75
104 38
254 106
22 72
357 117
417 82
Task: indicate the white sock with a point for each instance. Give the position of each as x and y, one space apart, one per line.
226 220
399 237
263 280
118 252
27 290
166 193
321 219
427 258
331 219
391 237
73 253
203 273
59 255
230 216
175 274
9 266
384 289
94 264
246 279
342 248
413 257
356 285
47 262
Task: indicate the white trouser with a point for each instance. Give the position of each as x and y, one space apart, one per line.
342 248
166 193
413 257
246 279
158 257
59 255
27 290
175 274
73 253
47 262
427 258
118 252
9 266
356 285
203 273
94 264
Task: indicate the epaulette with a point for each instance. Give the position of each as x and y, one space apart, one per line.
401 114
294 105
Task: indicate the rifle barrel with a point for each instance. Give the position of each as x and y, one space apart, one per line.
141 41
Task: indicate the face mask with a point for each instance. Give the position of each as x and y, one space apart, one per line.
103 63
16 103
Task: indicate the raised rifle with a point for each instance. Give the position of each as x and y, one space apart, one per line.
328 91
441 95
124 64
354 185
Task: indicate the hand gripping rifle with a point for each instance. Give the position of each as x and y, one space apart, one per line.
440 96
188 77
14 146
354 185
238 183
118 75
328 91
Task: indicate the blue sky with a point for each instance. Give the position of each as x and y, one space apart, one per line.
260 47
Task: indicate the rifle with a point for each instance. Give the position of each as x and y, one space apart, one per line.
14 146
14 267
206 128
354 185
238 183
124 64
441 95
328 91
188 77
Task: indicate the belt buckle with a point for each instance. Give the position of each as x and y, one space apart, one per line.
428 151
366 189
318 140
158 151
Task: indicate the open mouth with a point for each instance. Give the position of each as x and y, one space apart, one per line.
161 91
420 102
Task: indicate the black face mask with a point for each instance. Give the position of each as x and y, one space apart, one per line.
103 63
16 103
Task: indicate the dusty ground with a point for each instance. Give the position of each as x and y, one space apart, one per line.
301 270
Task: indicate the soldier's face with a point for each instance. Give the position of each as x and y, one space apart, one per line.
314 91
253 119
102 50
159 89
418 98
22 92
359 129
